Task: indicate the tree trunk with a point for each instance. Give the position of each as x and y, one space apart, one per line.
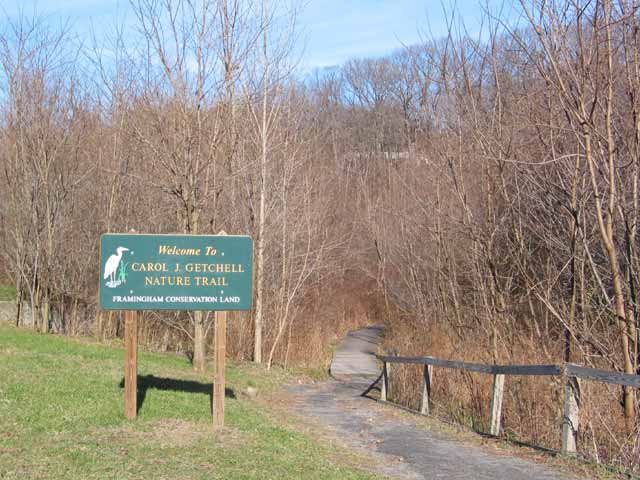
44 326
258 319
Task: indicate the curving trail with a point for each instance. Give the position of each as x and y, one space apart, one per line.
398 445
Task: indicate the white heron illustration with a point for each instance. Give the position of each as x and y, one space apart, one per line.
111 266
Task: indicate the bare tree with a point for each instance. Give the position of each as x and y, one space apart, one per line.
178 126
41 156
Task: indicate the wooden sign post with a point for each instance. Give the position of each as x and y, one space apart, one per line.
130 364
219 380
175 272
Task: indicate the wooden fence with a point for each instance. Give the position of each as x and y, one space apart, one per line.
571 372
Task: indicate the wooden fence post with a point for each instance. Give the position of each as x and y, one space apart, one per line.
130 364
384 390
571 410
426 389
496 404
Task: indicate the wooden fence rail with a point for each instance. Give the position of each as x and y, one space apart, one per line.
571 400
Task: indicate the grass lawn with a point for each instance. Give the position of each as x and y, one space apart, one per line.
7 293
61 416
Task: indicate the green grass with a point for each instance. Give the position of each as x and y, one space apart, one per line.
61 416
7 293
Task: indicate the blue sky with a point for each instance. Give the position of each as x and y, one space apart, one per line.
333 30
337 30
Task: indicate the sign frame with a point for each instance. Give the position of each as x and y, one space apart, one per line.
176 272
131 316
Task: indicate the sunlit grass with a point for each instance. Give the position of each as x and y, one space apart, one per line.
61 416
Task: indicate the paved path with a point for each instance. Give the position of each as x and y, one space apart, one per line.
399 445
356 354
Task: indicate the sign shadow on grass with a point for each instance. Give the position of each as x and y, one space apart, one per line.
171 384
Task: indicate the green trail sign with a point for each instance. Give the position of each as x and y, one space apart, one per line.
176 272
